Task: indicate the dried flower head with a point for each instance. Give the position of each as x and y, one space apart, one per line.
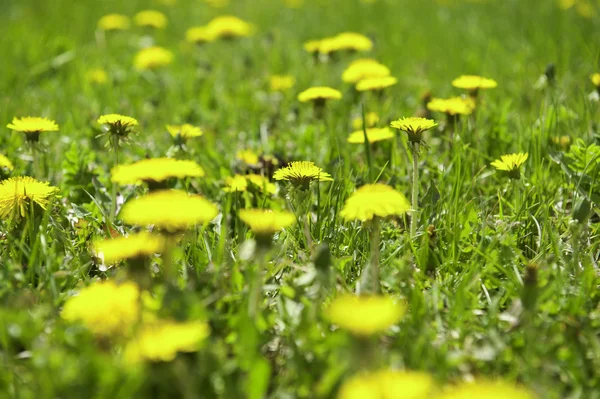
17 193
365 315
374 200
414 127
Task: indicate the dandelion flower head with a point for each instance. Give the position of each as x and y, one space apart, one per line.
365 315
319 93
474 82
199 35
247 156
414 127
17 193
373 134
228 27
349 41
364 68
452 106
281 82
96 76
487 390
5 163
371 120
172 210
266 222
184 131
114 22
312 46
376 84
152 58
374 200
140 245
151 19
511 163
160 341
105 308
155 170
388 384
595 78
241 183
33 124
302 173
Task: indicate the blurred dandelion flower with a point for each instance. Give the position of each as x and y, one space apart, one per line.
373 134
265 222
388 384
376 84
248 156
5 163
365 315
474 83
236 183
32 126
105 308
452 106
319 94
595 78
161 340
152 58
199 35
241 183
155 170
262 183
140 245
172 210
281 82
371 119
414 127
17 193
116 124
487 390
184 131
312 46
229 27
302 173
97 76
364 68
349 41
150 19
511 164
114 22
374 200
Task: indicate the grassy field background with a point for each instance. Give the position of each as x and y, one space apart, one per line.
503 284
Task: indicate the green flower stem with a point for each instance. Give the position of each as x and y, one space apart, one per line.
256 281
169 269
371 276
415 190
114 141
371 172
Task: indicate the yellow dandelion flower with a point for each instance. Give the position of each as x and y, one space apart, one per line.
152 58
452 106
302 173
32 126
264 222
262 183
114 22
96 76
349 41
160 341
172 210
140 245
371 119
105 308
373 134
150 19
414 127
229 27
511 163
365 315
474 82
319 94
376 84
17 193
487 390
5 163
155 170
564 142
184 131
595 78
312 46
364 68
384 384
249 157
374 200
117 120
281 82
236 183
199 35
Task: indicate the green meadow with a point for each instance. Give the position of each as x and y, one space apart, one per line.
158 240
